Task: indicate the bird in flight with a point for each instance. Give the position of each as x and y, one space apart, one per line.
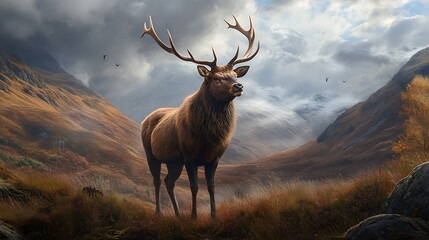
117 65
104 57
344 81
326 79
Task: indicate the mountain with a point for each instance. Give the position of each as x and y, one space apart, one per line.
359 139
320 110
267 124
262 131
51 122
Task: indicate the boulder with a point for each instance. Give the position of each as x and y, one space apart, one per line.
389 227
411 195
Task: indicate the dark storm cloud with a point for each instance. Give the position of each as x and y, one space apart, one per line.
359 53
412 31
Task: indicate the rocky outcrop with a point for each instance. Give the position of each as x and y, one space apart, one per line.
3 87
389 227
407 209
5 80
12 71
411 195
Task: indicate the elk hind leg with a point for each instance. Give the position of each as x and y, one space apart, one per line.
210 170
155 170
174 172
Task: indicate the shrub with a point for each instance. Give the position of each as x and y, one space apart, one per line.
6 157
9 143
30 163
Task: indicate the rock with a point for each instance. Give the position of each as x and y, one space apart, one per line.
5 80
389 227
13 71
3 87
43 135
7 232
92 191
28 90
43 97
411 195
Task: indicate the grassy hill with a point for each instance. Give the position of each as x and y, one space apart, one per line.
53 123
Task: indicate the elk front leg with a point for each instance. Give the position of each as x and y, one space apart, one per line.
210 170
174 171
192 170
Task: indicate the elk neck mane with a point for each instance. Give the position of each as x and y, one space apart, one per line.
212 121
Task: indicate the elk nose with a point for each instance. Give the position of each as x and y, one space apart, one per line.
238 86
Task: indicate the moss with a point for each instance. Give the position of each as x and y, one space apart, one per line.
31 163
6 157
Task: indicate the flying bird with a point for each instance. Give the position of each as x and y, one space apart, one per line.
327 79
104 57
344 81
117 65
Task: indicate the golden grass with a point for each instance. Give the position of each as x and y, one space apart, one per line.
54 207
325 209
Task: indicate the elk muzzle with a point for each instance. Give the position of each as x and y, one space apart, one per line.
237 89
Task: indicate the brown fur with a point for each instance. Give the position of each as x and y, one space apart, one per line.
201 127
195 134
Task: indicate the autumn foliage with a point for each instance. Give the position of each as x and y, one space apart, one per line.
414 145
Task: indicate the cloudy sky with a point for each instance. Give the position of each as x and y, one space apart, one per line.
362 42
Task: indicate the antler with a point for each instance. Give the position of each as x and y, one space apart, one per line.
151 31
250 35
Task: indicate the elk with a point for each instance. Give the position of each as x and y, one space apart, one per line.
197 132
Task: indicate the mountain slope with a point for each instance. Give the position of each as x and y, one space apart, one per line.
358 139
52 122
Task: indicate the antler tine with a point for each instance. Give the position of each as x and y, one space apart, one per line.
241 60
235 56
151 31
250 35
214 55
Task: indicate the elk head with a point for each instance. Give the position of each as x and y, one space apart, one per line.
221 81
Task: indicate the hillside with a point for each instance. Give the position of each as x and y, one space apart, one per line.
53 123
360 138
266 124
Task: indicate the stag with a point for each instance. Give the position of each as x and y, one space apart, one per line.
198 132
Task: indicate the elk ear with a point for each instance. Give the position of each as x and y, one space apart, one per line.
203 71
241 71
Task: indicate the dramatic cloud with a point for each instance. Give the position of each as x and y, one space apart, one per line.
302 42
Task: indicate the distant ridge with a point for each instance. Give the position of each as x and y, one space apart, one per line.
359 139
